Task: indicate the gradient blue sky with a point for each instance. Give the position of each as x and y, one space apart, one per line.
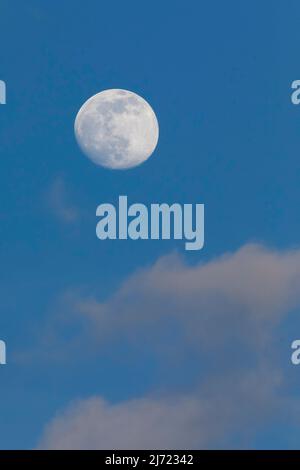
218 76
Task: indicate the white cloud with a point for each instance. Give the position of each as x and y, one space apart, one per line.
239 295
218 416
224 310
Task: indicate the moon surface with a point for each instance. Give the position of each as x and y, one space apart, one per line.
117 129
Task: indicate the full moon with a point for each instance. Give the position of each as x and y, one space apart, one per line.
116 129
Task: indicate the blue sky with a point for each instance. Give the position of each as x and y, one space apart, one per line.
218 75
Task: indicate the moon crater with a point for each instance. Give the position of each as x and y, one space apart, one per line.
117 129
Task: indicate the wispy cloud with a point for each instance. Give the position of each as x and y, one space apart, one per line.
59 202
